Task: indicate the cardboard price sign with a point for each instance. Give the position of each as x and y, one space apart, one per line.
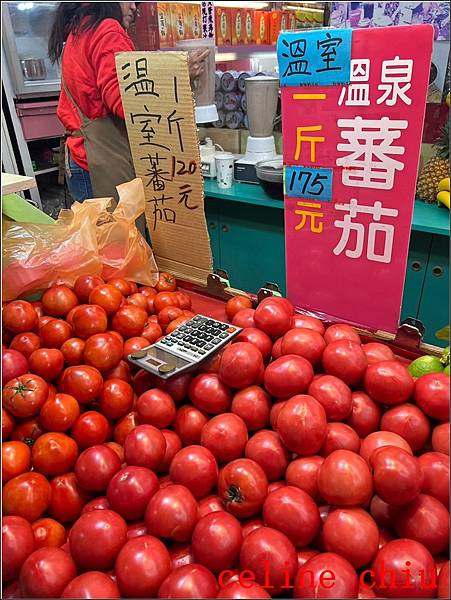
353 105
159 114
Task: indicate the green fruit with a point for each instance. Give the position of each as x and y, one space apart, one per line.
446 370
425 364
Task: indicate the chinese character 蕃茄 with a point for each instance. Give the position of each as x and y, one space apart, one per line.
160 212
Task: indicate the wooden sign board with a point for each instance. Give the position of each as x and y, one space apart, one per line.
159 114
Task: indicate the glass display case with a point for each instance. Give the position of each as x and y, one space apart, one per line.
26 27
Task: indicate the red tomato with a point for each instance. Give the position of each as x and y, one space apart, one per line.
173 445
177 387
156 408
27 431
409 422
72 350
340 437
225 436
17 545
240 365
129 321
195 467
398 559
43 321
96 466
236 304
136 530
130 491
145 447
303 342
102 351
37 305
244 318
184 300
89 320
250 525
27 495
341 331
54 453
48 533
345 479
99 503
96 539
166 283
54 333
274 413
163 299
142 566
381 438
192 581
106 296
303 474
346 360
443 582
138 300
253 405
316 576
266 449
365 414
15 459
273 318
389 382
91 428
67 498
432 395
82 382
19 316
118 449
133 287
243 487
168 314
122 285
152 331
150 292
376 352
397 475
277 349
435 467
287 376
133 345
305 554
47 363
14 364
248 589
293 512
426 521
25 395
172 513
92 584
173 325
8 425
306 322
270 556
440 438
84 284
189 423
208 505
57 301
334 395
25 343
207 392
121 371
45 573
258 338
382 513
116 398
302 425
125 426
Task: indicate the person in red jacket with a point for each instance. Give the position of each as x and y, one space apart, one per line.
85 37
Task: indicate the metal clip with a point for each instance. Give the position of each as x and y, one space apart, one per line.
410 334
270 289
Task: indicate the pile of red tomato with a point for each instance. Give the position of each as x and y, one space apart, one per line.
298 462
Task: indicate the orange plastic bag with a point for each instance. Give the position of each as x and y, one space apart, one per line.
37 256
123 250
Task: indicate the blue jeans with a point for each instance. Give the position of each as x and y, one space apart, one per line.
79 183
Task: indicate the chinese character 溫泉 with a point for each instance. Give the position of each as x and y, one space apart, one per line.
296 50
312 139
156 174
396 81
306 211
370 144
160 212
142 84
329 47
184 192
348 225
357 93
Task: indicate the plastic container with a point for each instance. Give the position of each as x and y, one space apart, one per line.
270 174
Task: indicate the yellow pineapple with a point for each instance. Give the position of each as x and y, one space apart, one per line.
435 169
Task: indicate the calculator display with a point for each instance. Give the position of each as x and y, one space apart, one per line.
156 356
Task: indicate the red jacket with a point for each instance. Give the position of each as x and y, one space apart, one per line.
89 71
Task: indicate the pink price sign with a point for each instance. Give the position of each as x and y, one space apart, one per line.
353 105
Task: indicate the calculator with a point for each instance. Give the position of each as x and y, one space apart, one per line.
185 348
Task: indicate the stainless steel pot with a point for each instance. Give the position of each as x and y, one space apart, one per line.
33 69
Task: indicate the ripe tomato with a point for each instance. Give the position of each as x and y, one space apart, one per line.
102 351
48 533
432 395
165 299
225 436
121 284
443 581
124 426
244 318
121 371
236 304
299 321
43 321
340 437
91 428
346 360
27 431
389 382
25 395
376 352
266 449
173 325
195 580
130 491
19 316
304 342
27 495
440 438
189 423
302 425
171 513
99 503
277 349
92 584
25 343
82 382
88 320
58 300
195 467
106 296
287 376
241 364
303 474
173 445
207 392
15 459
168 314
309 579
184 300
156 408
138 300
177 387
72 350
45 573
341 331
47 363
409 422
145 446
8 425
96 539
84 284
129 321
397 475
54 453
426 521
14 364
272 318
17 545
116 398
133 344
345 479
152 331
365 414
258 338
435 467
334 396
54 333
246 589
253 405
243 487
148 291
166 283
67 498
378 439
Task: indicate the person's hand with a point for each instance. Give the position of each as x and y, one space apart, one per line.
196 62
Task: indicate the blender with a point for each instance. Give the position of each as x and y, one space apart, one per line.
262 94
